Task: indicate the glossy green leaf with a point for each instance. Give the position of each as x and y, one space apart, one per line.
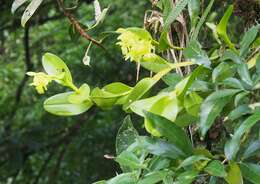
248 39
194 11
60 105
213 180
192 159
244 74
174 13
234 175
216 168
171 79
142 87
16 4
212 107
182 87
110 94
202 20
81 95
186 177
251 172
158 163
125 178
239 111
154 63
153 177
232 146
167 107
240 96
157 64
222 28
159 147
140 106
195 53
233 83
129 159
184 119
30 10
231 55
126 135
252 150
117 89
53 65
172 132
192 102
222 71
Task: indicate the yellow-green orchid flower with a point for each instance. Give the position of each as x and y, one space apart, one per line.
40 81
133 46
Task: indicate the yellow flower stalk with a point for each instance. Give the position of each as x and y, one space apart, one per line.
134 44
40 81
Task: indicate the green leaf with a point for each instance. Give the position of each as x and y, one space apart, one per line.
192 102
194 53
172 132
232 146
171 79
167 107
192 159
29 11
222 71
202 20
213 180
233 83
240 96
182 87
251 172
184 119
231 55
164 42
194 11
244 74
125 178
174 13
252 150
212 107
142 87
110 95
16 4
153 177
129 159
216 168
258 64
81 95
158 163
186 177
248 39
53 65
239 111
222 28
159 147
234 175
157 64
154 63
60 105
126 135
140 106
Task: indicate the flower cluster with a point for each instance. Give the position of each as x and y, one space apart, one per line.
40 81
133 45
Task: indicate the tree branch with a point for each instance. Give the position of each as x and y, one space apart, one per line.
77 26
